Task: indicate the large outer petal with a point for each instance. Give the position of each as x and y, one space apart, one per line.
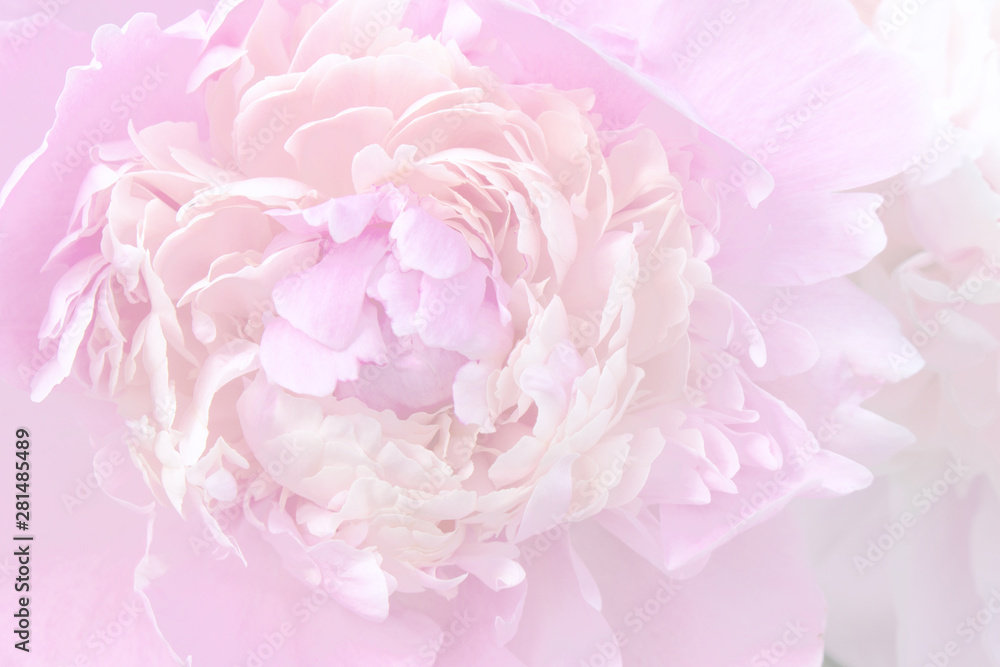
801 87
545 53
900 593
83 604
264 609
747 600
38 202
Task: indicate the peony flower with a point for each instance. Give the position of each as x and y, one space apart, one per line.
470 332
910 565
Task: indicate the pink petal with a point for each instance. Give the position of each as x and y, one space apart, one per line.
325 301
429 245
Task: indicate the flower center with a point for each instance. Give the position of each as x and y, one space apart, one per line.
397 304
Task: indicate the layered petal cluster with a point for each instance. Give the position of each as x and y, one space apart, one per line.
465 305
911 564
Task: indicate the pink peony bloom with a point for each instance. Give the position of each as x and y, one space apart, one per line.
470 332
910 566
